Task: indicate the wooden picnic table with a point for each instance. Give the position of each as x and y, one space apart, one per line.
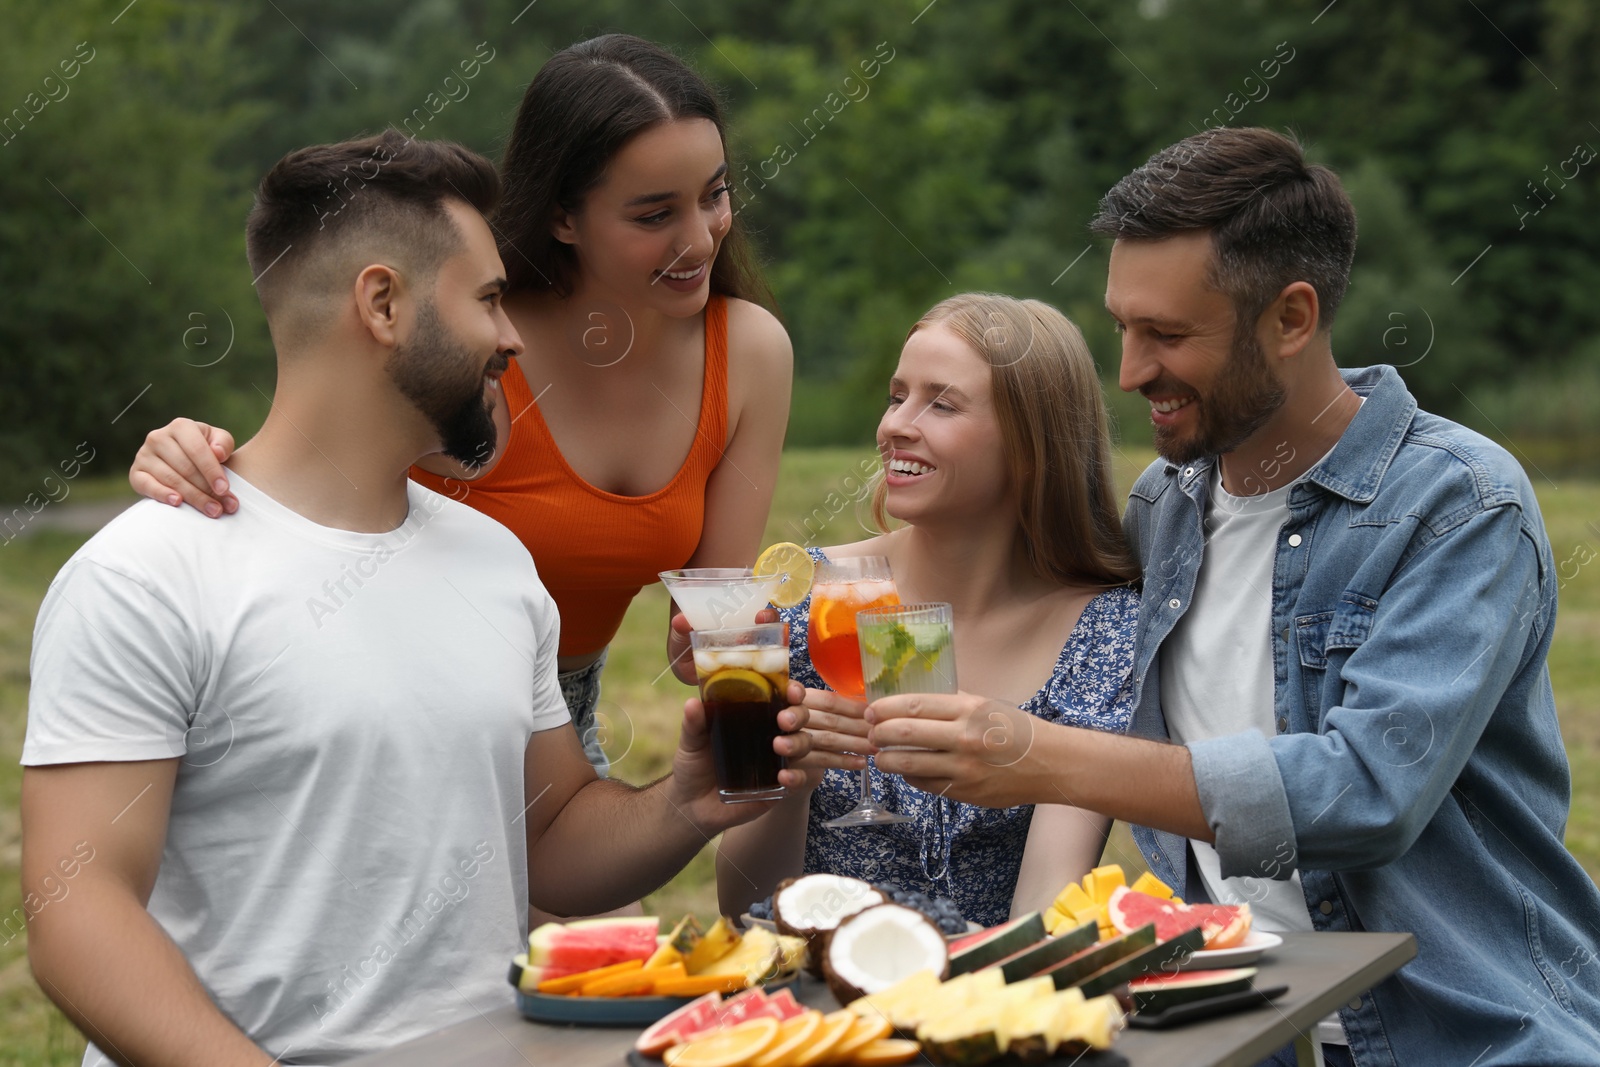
1323 972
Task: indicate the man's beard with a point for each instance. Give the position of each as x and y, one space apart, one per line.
444 379
1241 400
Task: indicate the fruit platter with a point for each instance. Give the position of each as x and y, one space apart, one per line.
1052 986
625 972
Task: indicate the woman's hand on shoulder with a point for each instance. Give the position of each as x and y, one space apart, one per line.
181 463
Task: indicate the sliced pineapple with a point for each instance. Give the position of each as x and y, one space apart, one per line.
970 1036
665 956
910 989
757 956
791 953
1093 1023
717 942
685 936
949 998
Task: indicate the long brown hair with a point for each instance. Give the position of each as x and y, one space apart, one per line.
581 108
1054 431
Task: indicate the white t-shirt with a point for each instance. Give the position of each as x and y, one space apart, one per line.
345 865
1217 679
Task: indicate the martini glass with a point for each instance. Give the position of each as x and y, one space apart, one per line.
839 590
719 598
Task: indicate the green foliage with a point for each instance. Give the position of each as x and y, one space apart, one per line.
874 186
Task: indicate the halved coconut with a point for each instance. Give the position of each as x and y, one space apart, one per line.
813 906
879 946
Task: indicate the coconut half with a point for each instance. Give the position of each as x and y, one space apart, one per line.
814 905
878 947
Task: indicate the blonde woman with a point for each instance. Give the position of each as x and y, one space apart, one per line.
997 472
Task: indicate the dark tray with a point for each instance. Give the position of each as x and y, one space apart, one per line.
1196 1010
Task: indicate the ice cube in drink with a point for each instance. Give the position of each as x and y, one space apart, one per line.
743 687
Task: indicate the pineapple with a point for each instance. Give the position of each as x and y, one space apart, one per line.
791 954
949 998
757 956
717 942
686 935
982 1031
912 989
1091 1024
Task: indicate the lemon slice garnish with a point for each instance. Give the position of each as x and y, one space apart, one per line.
793 566
737 685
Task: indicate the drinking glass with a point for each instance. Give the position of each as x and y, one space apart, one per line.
839 590
744 683
717 598
907 648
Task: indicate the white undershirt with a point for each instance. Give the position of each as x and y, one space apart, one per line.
1217 678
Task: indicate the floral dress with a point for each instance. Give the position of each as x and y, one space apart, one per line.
966 852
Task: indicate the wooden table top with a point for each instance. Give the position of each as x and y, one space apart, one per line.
1323 972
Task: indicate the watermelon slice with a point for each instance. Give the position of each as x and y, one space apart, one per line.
1158 992
979 950
1074 969
1047 953
1224 925
693 1017
1162 956
561 949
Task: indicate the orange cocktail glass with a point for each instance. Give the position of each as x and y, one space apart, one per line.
836 595
839 589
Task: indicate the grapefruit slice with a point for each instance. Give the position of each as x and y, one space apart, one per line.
693 1017
1224 925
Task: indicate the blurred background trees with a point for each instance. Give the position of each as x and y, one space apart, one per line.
971 159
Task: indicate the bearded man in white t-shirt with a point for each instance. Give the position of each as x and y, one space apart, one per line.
316 756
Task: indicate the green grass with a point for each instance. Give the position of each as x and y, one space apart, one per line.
817 503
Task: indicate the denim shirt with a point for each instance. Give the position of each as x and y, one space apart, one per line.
1417 780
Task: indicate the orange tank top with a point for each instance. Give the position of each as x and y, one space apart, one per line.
595 550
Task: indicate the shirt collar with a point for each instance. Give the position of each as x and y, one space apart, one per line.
1357 464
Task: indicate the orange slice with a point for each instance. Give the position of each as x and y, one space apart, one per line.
886 1053
573 982
698 985
835 1025
794 567
793 1035
630 983
733 1047
868 1028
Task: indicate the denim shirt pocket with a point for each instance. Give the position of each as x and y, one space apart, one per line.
1326 636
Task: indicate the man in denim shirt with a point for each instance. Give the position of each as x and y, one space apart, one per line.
1341 654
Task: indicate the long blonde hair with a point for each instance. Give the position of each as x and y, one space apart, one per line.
1054 431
